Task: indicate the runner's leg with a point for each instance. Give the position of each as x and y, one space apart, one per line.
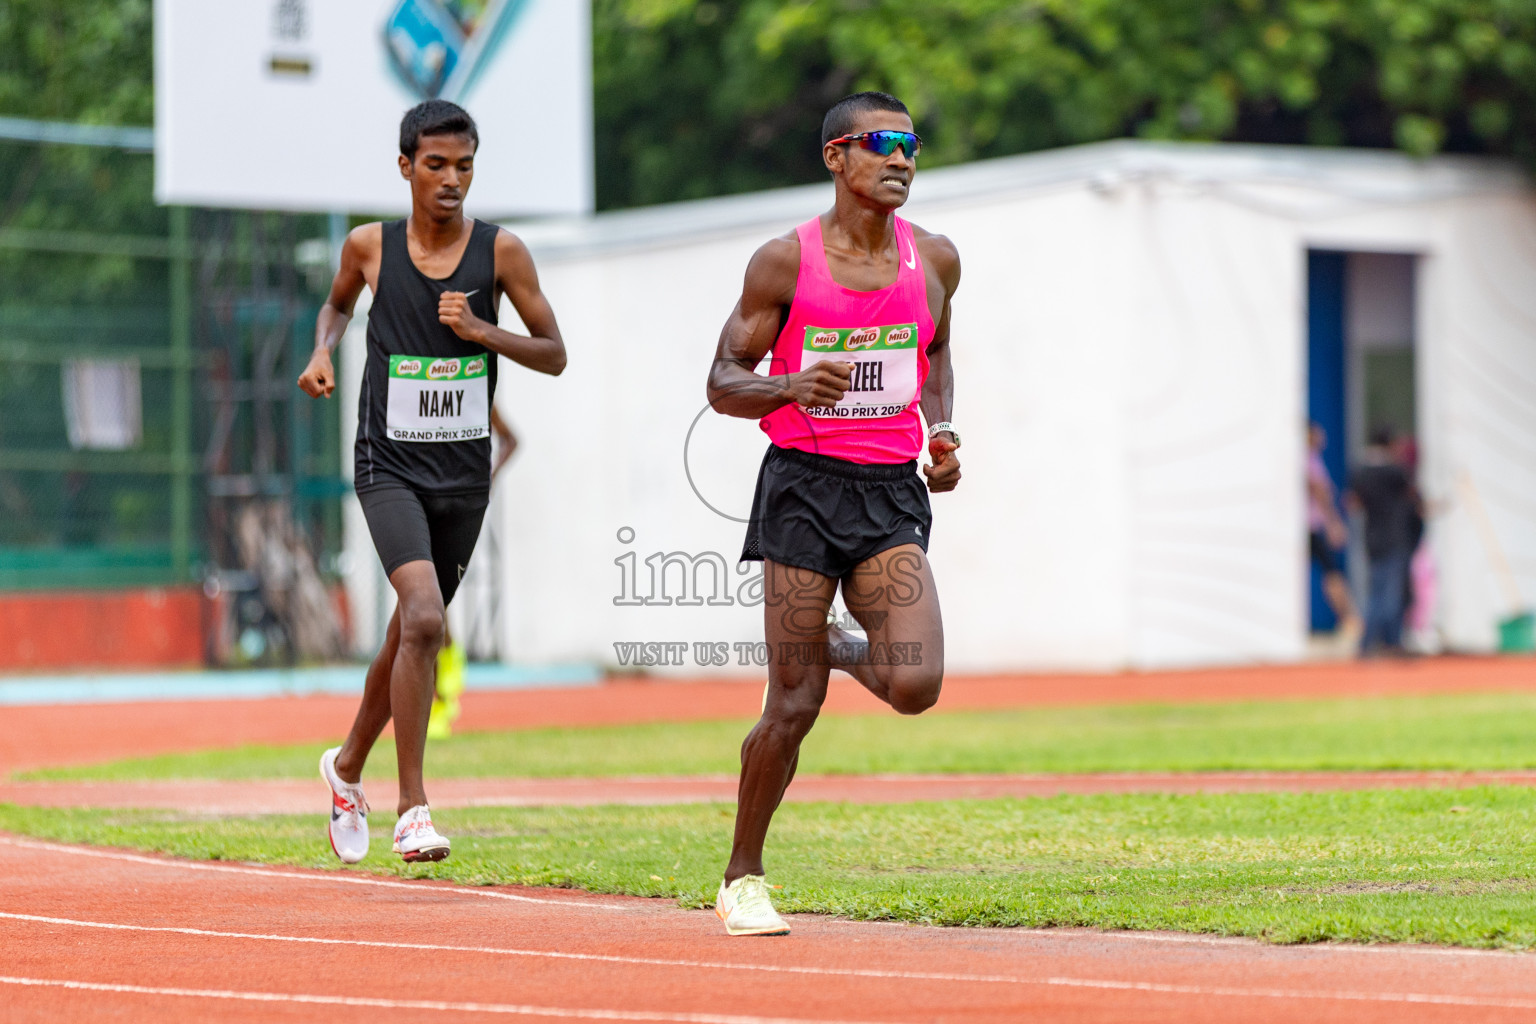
398 525
373 713
795 625
414 672
845 651
892 595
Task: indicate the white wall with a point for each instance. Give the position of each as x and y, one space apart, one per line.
1126 385
1480 316
1129 346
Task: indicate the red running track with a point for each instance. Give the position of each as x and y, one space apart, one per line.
93 933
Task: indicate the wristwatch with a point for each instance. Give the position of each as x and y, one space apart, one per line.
939 428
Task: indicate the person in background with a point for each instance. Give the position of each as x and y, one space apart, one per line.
1326 536
1382 489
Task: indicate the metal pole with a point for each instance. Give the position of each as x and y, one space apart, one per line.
181 392
67 133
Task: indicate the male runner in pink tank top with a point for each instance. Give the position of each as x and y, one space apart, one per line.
854 308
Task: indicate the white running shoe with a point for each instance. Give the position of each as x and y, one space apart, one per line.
416 839
745 908
349 812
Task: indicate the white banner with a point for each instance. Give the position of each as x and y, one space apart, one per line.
296 104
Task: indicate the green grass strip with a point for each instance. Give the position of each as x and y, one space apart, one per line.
1452 732
1454 867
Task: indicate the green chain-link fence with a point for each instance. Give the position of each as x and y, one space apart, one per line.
147 360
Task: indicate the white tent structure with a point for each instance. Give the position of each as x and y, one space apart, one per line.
1130 351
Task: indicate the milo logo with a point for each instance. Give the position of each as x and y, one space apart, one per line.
826 339
408 367
474 366
899 336
863 338
441 368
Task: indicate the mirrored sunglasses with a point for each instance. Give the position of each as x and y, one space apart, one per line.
885 143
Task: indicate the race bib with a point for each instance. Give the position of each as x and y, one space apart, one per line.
438 399
884 368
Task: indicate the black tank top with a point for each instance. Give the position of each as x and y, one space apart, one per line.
423 416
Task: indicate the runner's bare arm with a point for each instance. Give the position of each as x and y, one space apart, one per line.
734 386
506 441
938 398
359 267
542 349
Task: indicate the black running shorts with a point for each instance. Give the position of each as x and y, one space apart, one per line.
828 515
409 526
1322 552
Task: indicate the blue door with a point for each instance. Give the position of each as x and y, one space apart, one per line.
1326 385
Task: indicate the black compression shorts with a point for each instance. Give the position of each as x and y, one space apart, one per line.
408 526
815 512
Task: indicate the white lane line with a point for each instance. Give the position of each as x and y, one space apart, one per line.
455 889
849 972
1049 934
842 972
1087 933
413 1004
1422 998
1328 948
319 876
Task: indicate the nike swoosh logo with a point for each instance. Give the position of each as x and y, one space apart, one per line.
911 260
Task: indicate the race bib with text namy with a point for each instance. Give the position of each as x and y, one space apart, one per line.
438 399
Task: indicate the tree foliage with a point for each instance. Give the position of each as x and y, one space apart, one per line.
702 97
81 60
698 97
87 61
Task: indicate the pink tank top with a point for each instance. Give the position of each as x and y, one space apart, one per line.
884 333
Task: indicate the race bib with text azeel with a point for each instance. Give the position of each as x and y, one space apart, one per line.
438 399
884 368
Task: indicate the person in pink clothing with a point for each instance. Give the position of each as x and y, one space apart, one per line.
1326 534
852 310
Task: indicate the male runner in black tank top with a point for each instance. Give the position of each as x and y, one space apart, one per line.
422 459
